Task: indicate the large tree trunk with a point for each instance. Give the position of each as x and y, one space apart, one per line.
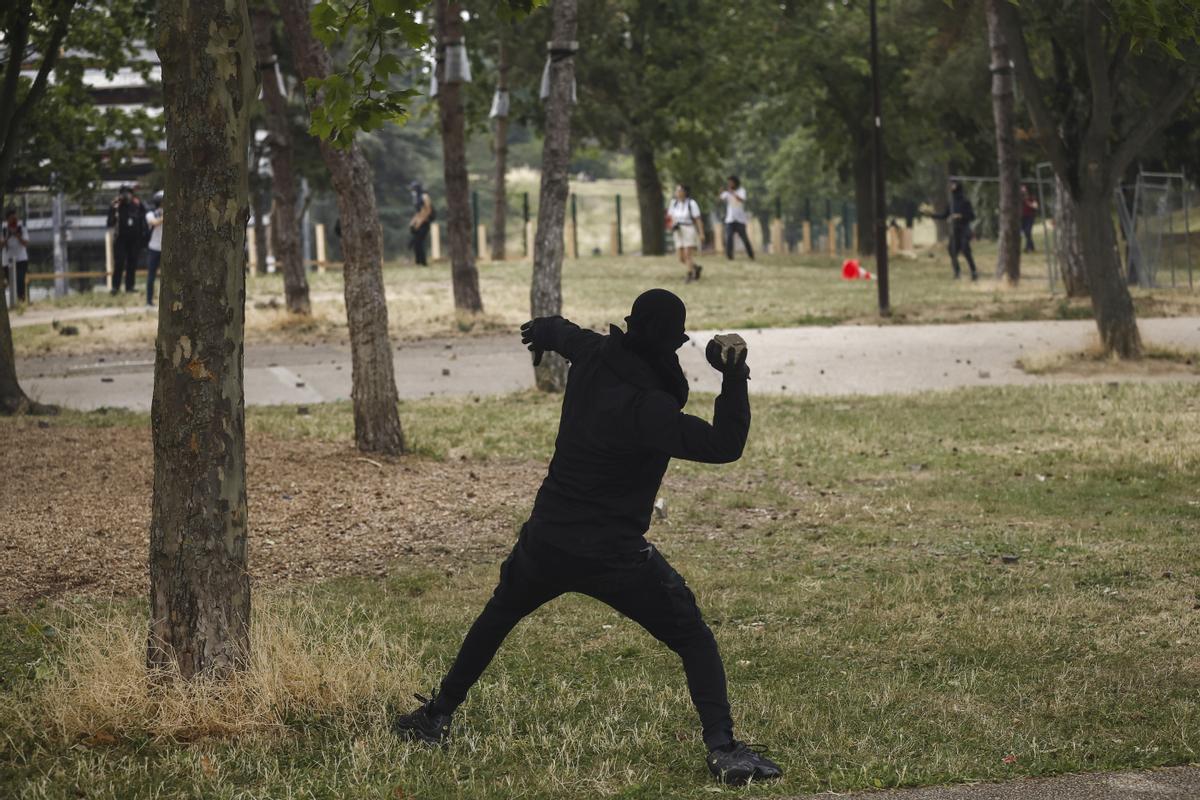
376 418
500 208
285 219
463 274
1111 302
1068 249
864 194
199 583
545 294
1008 263
13 399
651 207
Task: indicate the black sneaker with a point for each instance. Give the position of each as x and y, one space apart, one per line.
741 764
423 725
698 270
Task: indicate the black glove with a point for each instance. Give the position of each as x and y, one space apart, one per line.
536 334
735 368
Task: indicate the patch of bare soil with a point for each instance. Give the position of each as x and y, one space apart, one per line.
76 512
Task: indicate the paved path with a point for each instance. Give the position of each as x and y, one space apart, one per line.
799 361
1173 783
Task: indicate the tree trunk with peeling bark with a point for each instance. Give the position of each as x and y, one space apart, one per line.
463 274
199 583
545 294
285 219
1008 263
376 416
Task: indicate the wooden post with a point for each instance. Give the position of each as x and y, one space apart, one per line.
528 233
320 248
718 236
614 241
108 259
806 238
252 242
481 241
833 237
778 245
572 242
435 241
906 242
854 239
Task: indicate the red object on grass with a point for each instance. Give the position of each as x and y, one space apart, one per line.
853 271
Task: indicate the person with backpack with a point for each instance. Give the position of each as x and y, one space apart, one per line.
961 214
127 221
687 226
622 422
423 217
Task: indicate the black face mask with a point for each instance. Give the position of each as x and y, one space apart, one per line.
655 334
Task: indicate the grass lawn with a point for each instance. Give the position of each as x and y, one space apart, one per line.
978 584
774 291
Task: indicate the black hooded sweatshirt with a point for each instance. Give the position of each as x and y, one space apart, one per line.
620 427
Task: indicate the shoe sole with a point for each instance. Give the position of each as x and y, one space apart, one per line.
415 735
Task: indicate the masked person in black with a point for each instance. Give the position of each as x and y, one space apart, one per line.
961 214
127 219
622 422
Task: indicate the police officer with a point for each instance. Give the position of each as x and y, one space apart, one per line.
622 422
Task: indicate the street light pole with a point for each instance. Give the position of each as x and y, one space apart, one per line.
881 250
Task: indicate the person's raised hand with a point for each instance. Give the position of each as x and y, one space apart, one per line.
728 359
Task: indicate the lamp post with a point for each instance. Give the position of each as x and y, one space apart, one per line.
881 253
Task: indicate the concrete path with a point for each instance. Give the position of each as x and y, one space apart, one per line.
797 361
1173 783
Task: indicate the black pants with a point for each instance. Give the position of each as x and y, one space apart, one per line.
642 586
960 242
738 228
22 271
420 236
1027 229
125 256
153 259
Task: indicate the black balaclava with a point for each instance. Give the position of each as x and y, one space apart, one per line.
655 332
418 194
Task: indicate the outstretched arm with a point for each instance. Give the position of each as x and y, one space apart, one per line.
557 335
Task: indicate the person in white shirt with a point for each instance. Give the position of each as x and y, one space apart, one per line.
154 220
688 228
16 242
734 198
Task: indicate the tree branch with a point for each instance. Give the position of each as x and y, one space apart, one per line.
18 40
1096 60
1152 120
1043 123
49 59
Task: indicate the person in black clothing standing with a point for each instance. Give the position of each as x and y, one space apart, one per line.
622 422
961 214
127 220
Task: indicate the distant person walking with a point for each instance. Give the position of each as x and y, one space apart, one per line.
16 244
734 198
684 217
154 219
127 220
422 218
1029 212
961 214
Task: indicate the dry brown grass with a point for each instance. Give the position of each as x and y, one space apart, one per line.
1157 360
304 664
